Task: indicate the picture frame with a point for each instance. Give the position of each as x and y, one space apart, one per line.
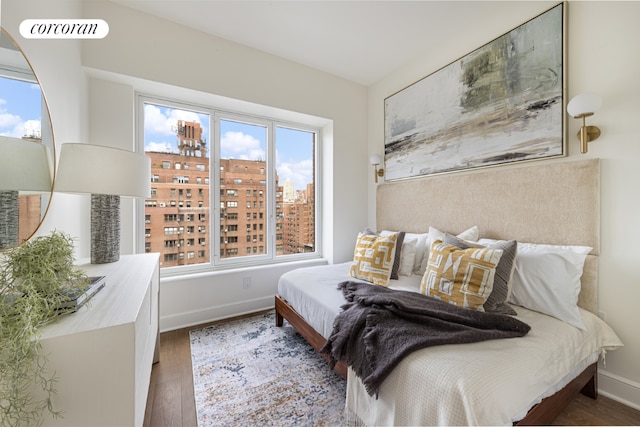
502 103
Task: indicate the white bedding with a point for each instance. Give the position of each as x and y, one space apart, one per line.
495 382
313 292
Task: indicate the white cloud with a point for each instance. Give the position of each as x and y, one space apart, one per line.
157 123
32 128
301 173
163 124
238 145
8 121
159 147
13 125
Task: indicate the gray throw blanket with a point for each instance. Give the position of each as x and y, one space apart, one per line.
378 327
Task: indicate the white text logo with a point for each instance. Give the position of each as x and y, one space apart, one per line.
64 28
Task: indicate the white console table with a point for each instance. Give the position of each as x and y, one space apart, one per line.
102 355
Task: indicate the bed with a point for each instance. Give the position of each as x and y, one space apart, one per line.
527 380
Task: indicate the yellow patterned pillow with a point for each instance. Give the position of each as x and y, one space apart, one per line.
373 258
463 277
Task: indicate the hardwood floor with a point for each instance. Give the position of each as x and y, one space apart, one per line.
171 400
584 411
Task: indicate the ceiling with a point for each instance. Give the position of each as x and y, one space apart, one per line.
361 41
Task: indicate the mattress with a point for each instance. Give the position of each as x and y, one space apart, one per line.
488 383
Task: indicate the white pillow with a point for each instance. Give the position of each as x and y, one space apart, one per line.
408 255
547 279
434 234
421 246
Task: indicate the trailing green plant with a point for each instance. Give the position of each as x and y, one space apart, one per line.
35 279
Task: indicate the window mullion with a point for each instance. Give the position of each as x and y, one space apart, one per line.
214 188
271 190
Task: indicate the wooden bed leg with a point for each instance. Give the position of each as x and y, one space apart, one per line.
317 341
590 389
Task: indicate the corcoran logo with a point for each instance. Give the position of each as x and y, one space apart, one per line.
64 28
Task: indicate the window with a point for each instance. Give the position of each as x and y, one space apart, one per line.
263 174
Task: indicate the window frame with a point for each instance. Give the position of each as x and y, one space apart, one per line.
216 114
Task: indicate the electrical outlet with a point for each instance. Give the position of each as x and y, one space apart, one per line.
246 283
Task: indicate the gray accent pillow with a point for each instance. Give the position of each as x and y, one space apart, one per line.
497 301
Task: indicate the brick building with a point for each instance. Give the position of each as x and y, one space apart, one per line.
243 208
177 215
299 223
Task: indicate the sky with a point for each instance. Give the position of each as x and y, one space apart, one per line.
20 107
238 141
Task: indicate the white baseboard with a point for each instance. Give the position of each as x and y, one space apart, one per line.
619 389
211 314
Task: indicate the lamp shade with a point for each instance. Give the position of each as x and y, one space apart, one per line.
375 159
584 103
96 169
24 165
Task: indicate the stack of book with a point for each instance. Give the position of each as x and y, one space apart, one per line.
78 298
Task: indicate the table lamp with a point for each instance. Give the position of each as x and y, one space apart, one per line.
106 173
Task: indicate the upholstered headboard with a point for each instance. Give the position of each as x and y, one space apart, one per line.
554 203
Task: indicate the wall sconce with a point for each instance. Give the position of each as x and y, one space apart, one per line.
375 161
105 173
580 107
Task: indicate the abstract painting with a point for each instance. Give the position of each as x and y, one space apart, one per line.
502 103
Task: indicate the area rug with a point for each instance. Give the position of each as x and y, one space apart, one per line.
250 372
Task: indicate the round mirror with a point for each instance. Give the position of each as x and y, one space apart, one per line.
27 150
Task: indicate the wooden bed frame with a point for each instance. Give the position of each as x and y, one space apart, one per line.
535 204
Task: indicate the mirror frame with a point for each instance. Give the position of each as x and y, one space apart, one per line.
46 135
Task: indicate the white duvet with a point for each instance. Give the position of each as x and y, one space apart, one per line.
488 383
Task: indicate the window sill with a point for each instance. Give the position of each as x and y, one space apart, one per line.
167 277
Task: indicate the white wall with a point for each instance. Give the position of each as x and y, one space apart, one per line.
602 58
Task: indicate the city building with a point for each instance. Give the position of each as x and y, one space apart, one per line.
177 215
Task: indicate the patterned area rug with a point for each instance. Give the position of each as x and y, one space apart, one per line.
250 372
